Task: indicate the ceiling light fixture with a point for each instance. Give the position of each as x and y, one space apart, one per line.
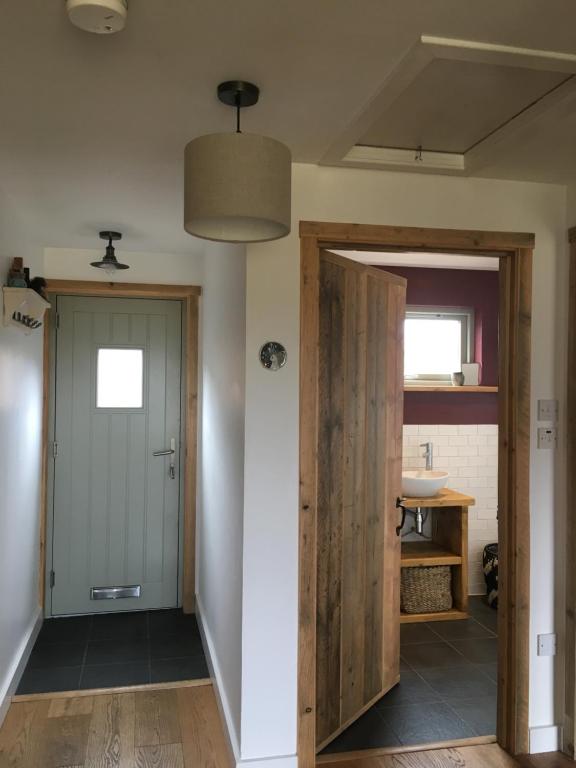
237 186
109 263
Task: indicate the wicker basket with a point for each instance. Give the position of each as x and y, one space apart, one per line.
426 589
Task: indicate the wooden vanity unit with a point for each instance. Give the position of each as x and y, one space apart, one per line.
449 546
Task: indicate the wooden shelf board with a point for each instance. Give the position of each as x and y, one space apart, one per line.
446 497
426 553
413 618
455 390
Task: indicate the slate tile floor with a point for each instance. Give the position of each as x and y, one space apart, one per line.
447 690
114 649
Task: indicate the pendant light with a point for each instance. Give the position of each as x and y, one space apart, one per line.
109 263
237 186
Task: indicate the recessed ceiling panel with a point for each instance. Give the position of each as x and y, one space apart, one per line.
452 105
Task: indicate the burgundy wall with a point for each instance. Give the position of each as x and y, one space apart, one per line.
457 288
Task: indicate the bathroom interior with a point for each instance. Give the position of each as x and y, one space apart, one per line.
449 565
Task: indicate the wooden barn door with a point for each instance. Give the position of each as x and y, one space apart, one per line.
360 404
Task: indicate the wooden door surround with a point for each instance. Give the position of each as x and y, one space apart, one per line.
514 251
189 295
569 730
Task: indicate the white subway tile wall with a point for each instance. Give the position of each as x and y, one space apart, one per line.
470 454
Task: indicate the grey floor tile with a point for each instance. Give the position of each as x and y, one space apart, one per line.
478 651
187 668
426 723
63 654
479 713
369 732
125 626
430 655
49 680
463 629
116 651
115 675
411 689
459 682
66 629
416 633
491 670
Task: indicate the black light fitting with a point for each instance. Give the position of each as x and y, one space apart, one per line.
109 263
239 94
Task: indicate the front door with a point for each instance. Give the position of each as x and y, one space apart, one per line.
116 487
359 457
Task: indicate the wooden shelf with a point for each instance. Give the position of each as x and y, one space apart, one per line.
413 618
426 553
452 390
444 498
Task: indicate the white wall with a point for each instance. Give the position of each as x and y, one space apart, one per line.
269 681
169 268
221 476
20 456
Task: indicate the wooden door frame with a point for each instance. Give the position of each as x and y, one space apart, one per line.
515 253
189 296
569 730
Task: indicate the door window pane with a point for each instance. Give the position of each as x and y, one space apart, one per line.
120 378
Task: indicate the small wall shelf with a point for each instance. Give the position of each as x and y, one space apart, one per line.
24 308
452 390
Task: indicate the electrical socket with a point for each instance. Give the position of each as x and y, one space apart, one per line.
547 438
548 410
547 645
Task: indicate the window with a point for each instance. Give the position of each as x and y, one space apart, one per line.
120 378
437 341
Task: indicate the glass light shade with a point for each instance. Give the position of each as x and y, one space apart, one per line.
237 188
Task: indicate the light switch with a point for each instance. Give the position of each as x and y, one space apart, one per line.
547 645
546 438
548 410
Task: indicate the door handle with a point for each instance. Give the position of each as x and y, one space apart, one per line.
169 452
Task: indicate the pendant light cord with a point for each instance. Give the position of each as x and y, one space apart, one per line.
238 105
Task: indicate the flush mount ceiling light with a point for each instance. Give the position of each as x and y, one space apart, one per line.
109 263
237 186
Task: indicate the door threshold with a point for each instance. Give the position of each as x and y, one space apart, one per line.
105 691
339 757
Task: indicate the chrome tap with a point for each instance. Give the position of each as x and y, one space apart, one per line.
428 455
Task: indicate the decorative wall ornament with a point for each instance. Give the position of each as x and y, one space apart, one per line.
273 355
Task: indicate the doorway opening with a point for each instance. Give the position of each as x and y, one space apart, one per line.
342 695
117 540
448 627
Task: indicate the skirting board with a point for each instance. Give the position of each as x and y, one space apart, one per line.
21 657
215 674
544 739
283 761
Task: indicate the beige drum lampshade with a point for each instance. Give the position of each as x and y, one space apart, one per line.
237 188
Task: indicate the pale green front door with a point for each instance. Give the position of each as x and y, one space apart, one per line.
115 504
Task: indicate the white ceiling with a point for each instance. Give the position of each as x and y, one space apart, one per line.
426 260
92 129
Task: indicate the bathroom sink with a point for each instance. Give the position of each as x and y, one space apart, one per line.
420 483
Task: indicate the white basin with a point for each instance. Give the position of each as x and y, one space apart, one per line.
421 483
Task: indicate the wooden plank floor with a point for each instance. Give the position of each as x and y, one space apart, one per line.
482 756
169 728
